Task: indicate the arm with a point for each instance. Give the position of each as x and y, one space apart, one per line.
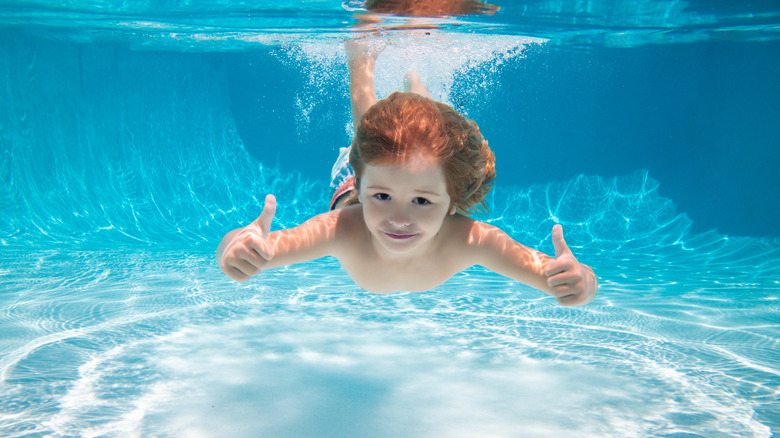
246 251
361 60
570 282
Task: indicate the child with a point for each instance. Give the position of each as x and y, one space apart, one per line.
400 223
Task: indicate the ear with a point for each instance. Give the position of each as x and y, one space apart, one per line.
453 209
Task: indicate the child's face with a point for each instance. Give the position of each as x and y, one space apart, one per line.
404 205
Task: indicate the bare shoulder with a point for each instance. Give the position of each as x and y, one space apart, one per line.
457 227
457 234
349 215
350 227
481 242
339 224
312 239
335 219
349 223
458 237
467 232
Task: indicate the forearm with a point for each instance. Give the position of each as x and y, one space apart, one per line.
311 240
570 282
591 282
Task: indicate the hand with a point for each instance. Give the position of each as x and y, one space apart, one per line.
246 251
572 283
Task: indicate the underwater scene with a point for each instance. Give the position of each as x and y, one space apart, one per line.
135 135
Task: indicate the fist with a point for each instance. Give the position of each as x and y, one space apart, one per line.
571 282
246 251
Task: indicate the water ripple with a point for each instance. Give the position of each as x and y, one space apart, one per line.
122 336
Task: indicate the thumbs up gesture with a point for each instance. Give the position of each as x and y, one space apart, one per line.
244 252
572 283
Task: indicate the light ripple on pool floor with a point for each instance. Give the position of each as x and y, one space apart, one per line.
287 376
480 354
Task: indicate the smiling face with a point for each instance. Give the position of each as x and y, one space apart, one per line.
405 124
404 205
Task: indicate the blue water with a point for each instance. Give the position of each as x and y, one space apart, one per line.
133 136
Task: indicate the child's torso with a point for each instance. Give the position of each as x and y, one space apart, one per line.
415 273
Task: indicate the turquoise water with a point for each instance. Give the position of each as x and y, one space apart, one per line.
134 136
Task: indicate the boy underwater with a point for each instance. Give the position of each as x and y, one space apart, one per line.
400 222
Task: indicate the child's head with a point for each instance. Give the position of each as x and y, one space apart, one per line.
404 125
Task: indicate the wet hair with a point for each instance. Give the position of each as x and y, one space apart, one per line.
429 8
397 128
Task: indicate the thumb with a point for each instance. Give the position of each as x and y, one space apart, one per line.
267 216
558 243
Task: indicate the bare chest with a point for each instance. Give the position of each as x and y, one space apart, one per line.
384 277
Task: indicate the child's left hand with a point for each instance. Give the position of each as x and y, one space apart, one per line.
572 283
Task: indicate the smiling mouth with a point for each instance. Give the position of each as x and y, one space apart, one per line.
399 236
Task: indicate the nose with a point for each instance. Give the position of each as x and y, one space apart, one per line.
399 220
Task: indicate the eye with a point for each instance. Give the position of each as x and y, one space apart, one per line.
382 196
421 201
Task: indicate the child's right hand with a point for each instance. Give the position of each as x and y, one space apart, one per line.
244 252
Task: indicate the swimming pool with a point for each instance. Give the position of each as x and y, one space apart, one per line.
134 137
